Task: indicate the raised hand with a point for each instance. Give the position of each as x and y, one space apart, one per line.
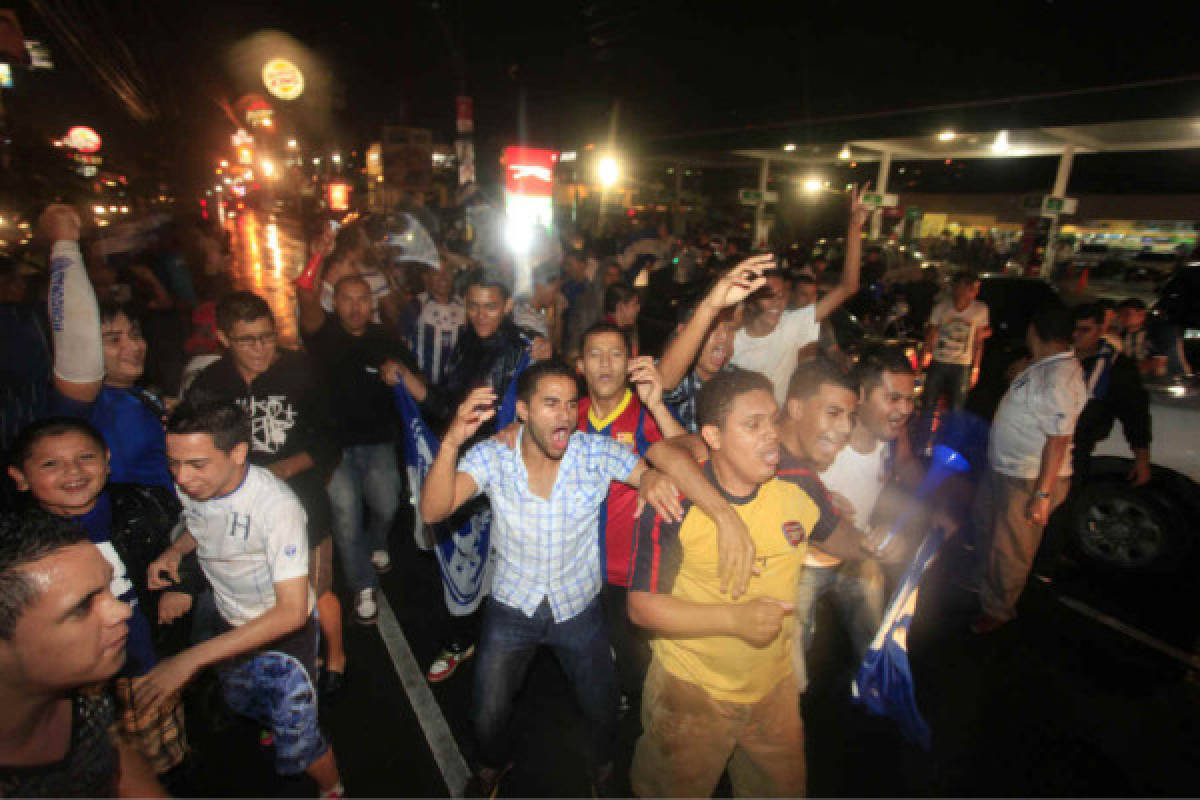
644 376
860 213
476 409
59 222
740 282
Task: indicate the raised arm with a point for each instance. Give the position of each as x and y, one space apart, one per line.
74 313
445 488
308 285
647 382
733 287
853 262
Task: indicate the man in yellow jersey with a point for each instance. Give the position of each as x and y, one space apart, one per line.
720 688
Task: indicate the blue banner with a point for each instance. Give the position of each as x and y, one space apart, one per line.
884 683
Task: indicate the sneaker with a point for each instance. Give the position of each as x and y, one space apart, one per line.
365 609
447 662
381 561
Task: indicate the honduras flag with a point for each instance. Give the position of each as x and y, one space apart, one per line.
884 683
462 546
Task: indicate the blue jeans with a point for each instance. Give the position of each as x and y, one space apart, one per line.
369 472
507 645
857 589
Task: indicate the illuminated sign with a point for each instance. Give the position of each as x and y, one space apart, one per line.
528 204
83 139
283 79
339 197
5 76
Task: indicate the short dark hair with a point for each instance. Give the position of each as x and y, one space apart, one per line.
1053 323
25 538
716 397
224 420
109 309
873 362
965 277
346 280
603 326
487 279
616 294
34 432
241 307
815 372
532 375
1093 311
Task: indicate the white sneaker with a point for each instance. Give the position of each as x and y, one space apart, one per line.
381 561
365 610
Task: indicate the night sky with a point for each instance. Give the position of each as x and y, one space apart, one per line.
680 77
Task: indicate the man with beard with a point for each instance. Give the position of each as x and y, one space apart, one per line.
546 496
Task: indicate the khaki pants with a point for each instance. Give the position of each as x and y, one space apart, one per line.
1006 541
689 738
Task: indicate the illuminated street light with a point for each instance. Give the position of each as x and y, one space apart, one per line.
336 158
268 168
813 185
608 171
947 136
789 148
1001 143
316 162
844 154
292 145
124 209
100 210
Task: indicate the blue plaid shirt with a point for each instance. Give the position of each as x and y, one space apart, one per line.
548 548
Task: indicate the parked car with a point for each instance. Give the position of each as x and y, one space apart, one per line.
1119 527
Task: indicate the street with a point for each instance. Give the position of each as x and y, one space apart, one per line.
1057 703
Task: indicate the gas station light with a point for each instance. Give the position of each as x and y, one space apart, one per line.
608 171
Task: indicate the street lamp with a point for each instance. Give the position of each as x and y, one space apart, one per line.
813 185
608 171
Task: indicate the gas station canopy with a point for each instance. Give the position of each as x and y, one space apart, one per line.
1174 133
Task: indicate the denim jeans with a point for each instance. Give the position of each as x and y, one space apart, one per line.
857 589
367 472
950 380
506 647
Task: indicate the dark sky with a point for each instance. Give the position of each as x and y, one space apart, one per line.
554 73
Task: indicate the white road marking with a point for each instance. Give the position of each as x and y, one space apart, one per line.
1189 659
429 714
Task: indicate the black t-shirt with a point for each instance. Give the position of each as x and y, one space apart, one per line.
88 769
362 407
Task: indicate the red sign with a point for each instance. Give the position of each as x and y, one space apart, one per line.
339 197
529 171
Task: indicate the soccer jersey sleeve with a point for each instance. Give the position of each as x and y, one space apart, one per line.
287 539
657 552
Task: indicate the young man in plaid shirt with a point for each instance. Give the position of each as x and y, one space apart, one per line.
546 495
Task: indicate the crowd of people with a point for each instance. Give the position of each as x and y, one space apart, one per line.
668 503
